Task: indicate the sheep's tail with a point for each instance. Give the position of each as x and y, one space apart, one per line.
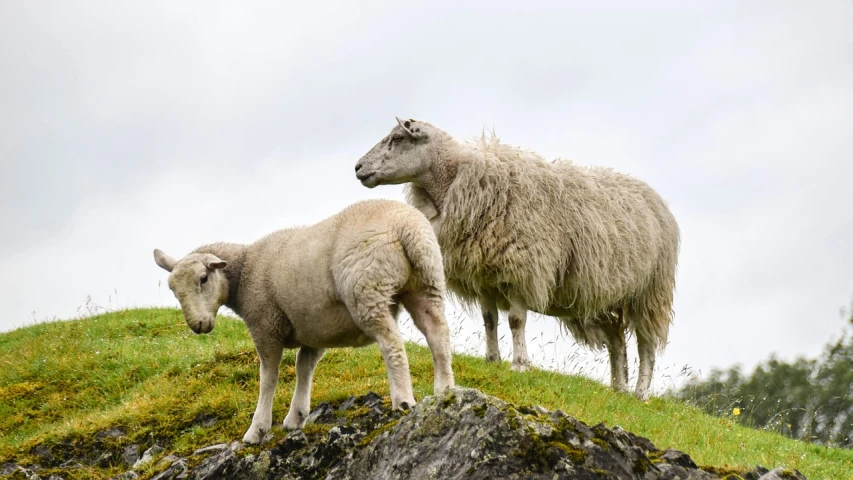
650 314
424 254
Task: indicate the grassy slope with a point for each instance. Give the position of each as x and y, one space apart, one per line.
144 369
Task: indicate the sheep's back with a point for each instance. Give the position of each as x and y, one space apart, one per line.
555 234
389 239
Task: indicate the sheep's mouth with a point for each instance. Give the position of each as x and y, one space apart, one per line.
365 177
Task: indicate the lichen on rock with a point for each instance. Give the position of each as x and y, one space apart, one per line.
461 434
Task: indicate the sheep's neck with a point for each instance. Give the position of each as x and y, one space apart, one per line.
235 257
233 272
442 172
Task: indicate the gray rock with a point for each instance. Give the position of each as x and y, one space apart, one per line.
168 460
462 434
676 472
148 455
324 413
759 471
217 465
294 440
347 404
680 459
782 474
43 453
71 464
104 460
253 467
178 468
212 448
129 475
466 434
205 420
29 474
8 468
110 433
130 454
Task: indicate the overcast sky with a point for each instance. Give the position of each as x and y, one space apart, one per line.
126 126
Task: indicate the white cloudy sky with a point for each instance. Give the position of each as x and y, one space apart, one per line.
127 126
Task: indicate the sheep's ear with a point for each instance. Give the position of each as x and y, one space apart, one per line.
166 262
213 262
411 127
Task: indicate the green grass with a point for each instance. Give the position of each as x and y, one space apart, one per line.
144 370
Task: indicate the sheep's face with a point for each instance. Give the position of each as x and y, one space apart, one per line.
199 285
402 156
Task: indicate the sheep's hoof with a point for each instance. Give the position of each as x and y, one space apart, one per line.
520 367
621 388
642 395
405 405
294 422
493 358
253 436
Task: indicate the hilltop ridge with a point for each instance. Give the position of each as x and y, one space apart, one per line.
140 377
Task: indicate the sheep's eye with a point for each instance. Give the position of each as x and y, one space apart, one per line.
203 279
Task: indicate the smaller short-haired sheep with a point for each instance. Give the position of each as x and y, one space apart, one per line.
337 283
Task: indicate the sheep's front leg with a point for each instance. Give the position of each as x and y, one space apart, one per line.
270 356
300 405
517 324
489 310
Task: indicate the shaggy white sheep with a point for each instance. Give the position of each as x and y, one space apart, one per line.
593 247
337 283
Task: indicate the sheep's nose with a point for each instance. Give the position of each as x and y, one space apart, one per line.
357 167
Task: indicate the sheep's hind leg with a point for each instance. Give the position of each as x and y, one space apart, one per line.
381 326
397 364
517 324
489 310
270 356
646 351
369 297
428 315
300 404
614 330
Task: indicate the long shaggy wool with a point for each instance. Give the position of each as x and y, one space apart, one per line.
571 241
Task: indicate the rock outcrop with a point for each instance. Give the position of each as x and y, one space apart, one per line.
463 434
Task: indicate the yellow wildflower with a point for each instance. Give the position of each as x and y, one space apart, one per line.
736 411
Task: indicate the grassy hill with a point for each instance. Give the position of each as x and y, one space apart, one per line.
144 370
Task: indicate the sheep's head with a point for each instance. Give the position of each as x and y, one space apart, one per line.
403 156
199 285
